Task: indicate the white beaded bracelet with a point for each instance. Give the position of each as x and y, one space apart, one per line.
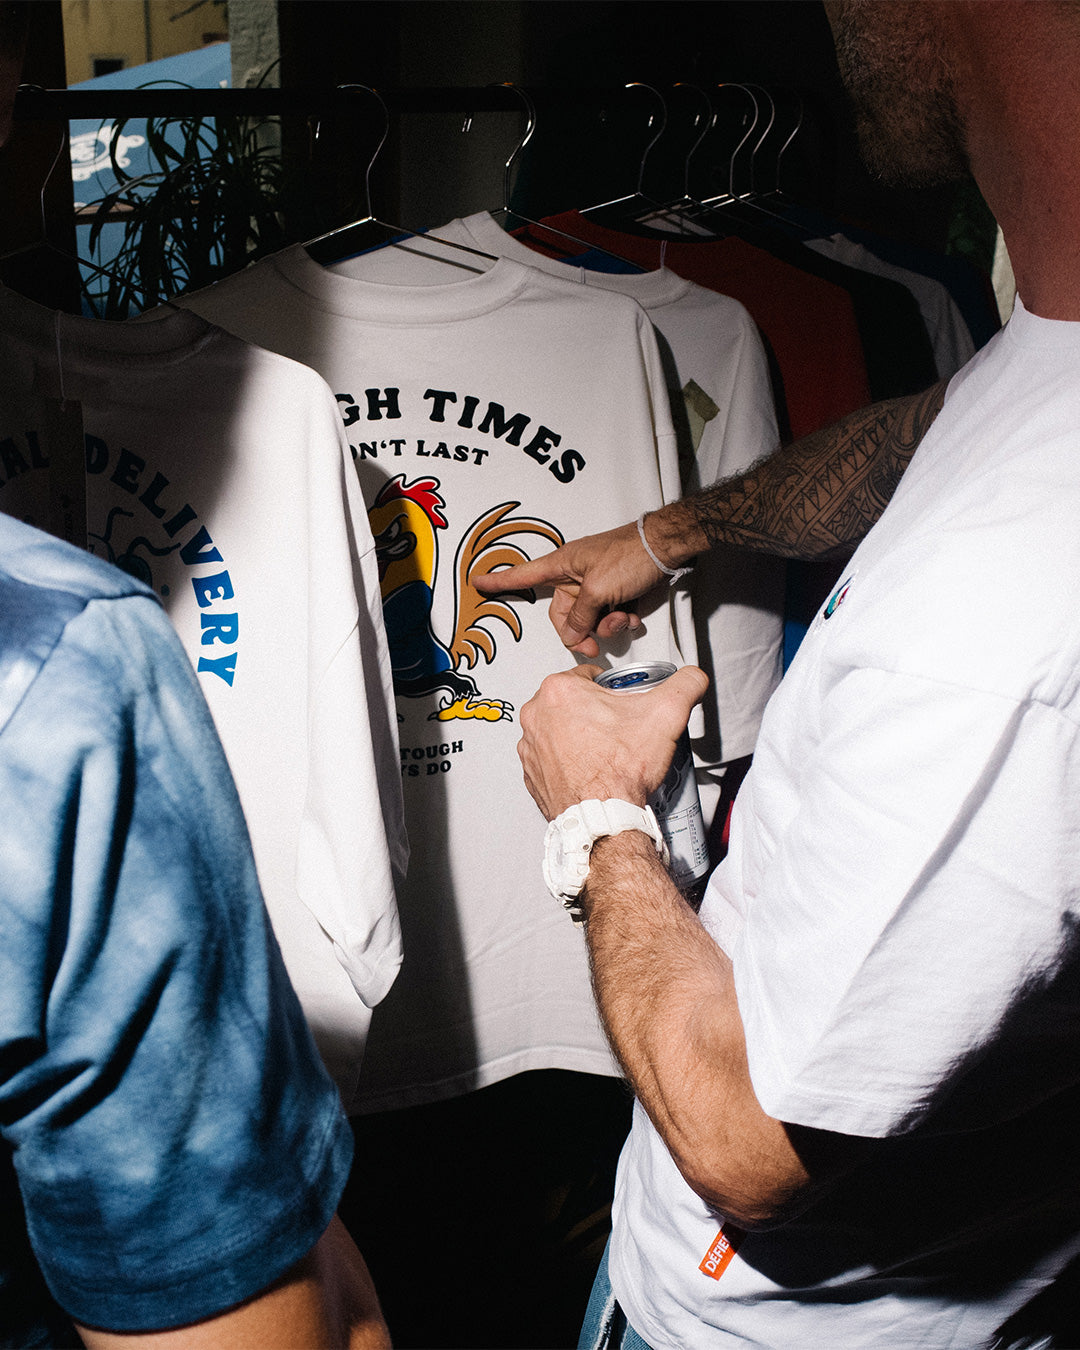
673 573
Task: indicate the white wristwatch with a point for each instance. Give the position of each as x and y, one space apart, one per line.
570 838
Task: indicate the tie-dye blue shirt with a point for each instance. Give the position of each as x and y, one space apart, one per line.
174 1140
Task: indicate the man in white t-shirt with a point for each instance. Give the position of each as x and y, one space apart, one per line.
857 1075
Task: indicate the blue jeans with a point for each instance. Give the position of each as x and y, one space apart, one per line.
605 1326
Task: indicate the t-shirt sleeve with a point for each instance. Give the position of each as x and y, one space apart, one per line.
743 428
176 1142
738 595
353 846
910 946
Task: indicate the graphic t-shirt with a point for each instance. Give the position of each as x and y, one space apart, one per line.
218 474
491 417
721 398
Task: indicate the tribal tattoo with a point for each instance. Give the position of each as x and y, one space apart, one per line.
818 497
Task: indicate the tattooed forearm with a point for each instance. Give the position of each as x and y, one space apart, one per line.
819 496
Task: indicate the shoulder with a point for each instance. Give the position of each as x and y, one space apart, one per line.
45 584
58 572
598 301
970 576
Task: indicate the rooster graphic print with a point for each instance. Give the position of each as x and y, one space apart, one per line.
406 520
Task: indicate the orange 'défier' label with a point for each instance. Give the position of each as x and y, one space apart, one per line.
718 1257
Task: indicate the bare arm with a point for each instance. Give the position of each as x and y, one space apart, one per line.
666 996
813 499
325 1302
664 988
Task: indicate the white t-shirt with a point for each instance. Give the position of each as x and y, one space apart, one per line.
950 337
902 901
218 474
491 416
725 420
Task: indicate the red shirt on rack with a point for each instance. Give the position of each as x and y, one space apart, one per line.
809 324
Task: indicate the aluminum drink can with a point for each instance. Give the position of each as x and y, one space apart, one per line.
675 802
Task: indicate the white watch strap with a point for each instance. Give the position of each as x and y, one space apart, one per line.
613 816
594 819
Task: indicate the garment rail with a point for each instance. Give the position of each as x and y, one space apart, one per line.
33 103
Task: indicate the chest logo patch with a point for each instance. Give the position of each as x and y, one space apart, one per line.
838 597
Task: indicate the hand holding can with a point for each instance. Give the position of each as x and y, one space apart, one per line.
675 802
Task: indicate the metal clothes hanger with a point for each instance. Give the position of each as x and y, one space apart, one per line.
46 243
507 211
755 198
619 209
682 211
730 195
749 206
766 99
688 217
775 192
707 118
749 198
369 232
530 126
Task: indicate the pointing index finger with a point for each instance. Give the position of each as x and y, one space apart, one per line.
544 571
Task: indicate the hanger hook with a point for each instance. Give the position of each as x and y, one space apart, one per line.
367 89
768 127
52 169
530 127
709 122
638 84
791 136
746 135
40 89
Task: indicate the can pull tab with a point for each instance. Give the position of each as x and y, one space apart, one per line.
627 681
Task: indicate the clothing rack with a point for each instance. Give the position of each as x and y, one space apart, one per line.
36 107
33 103
340 108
